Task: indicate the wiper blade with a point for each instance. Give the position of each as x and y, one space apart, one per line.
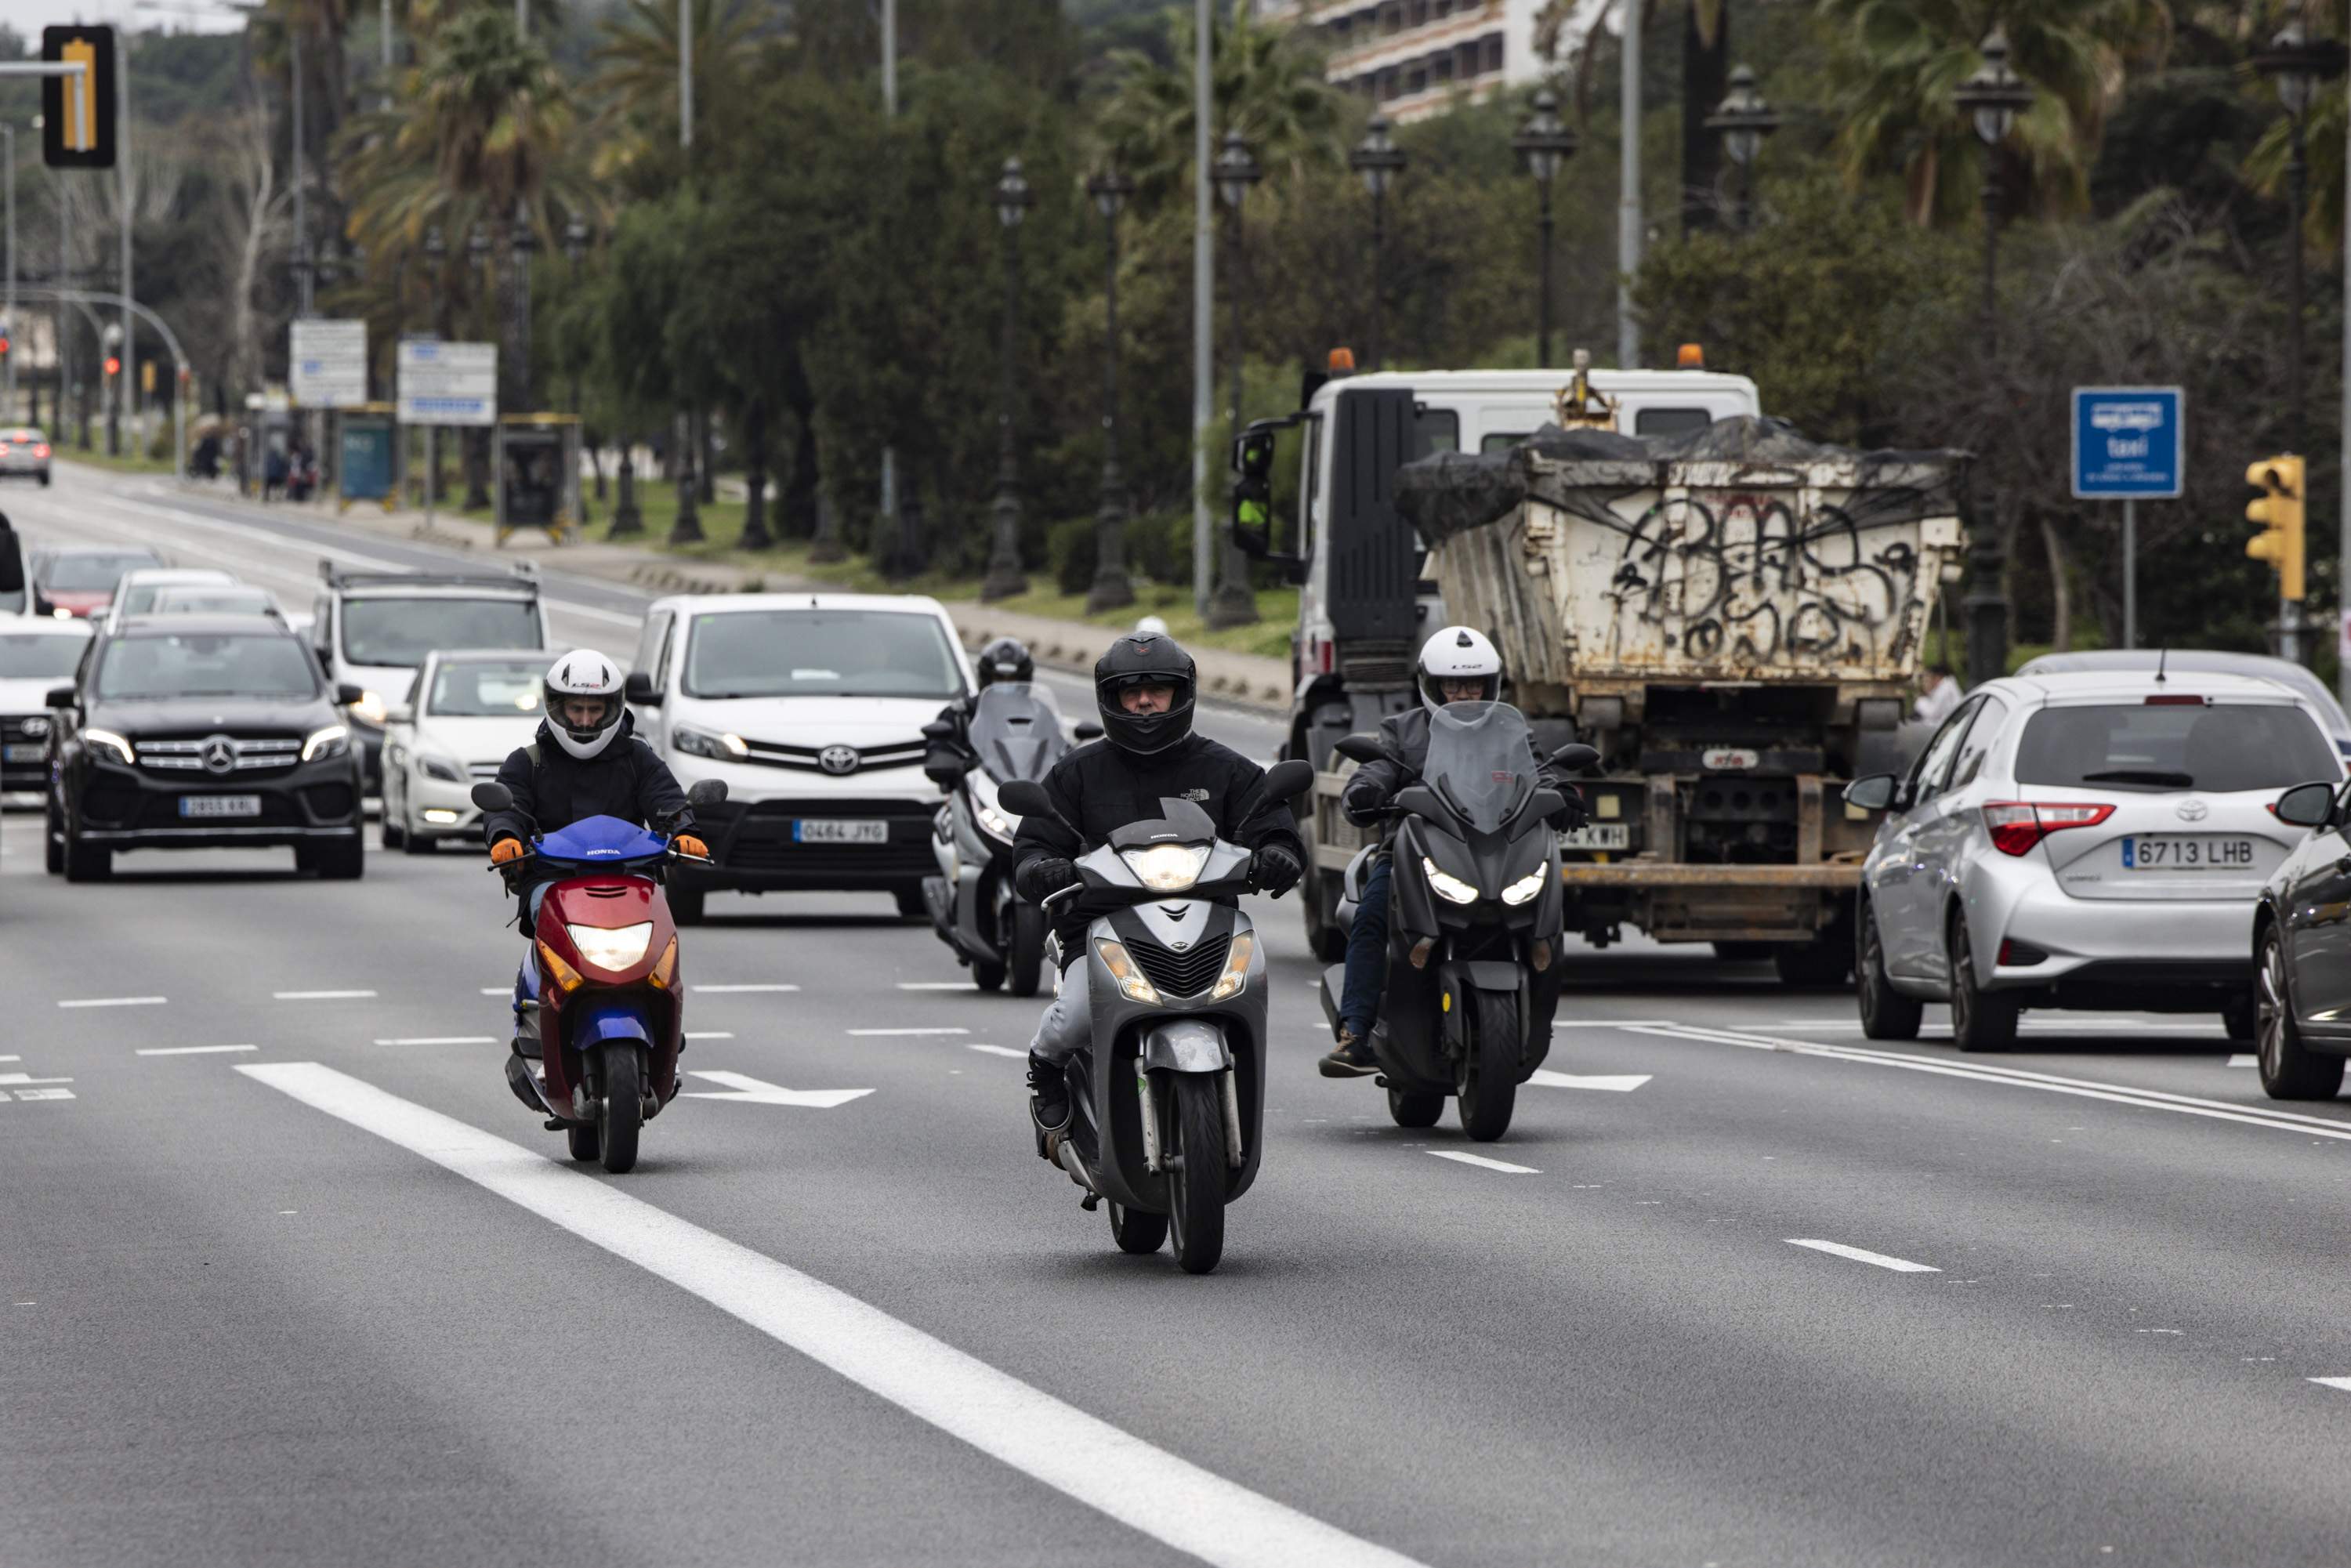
2141 775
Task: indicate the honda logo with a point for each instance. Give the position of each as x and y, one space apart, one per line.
219 756
838 760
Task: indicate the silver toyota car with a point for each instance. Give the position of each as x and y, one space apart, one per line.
2081 841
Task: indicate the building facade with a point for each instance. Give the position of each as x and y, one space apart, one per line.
1411 58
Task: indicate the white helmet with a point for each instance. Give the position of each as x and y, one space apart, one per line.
1459 653
584 673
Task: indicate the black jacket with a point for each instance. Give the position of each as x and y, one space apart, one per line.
1099 788
555 788
1405 736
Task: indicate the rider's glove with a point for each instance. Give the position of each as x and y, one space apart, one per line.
1573 814
687 845
1275 869
1043 877
504 850
1363 803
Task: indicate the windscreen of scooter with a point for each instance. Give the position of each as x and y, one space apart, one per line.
1481 759
1016 728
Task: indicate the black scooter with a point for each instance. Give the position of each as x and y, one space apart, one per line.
1475 912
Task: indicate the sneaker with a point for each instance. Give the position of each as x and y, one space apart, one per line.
1351 1058
1049 1094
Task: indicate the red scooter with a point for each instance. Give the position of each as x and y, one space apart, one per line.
600 1008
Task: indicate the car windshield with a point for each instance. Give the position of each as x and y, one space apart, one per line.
92 573
1017 730
482 689
22 434
210 601
39 658
2174 745
205 664
820 653
401 631
1479 756
141 597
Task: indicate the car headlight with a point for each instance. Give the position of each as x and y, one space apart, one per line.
441 768
1236 974
1525 887
34 727
703 743
335 740
611 947
1447 885
107 737
1132 983
997 823
371 707
1167 868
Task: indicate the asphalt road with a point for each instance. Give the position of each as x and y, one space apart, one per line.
290 1278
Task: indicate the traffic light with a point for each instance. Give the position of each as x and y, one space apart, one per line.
6 333
113 366
2279 512
78 118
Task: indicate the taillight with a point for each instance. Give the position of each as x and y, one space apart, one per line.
42 450
2178 701
2016 826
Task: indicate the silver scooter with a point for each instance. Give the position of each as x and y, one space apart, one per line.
1167 1106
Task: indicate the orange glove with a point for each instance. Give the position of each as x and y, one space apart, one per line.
506 849
687 845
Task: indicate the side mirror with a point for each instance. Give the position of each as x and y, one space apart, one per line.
492 796
59 696
2306 805
1285 780
938 729
637 687
347 694
404 713
1874 793
1026 798
1088 730
1575 758
1359 748
943 771
703 793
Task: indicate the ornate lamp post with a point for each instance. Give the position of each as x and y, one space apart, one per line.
1379 161
1743 120
575 251
1543 144
1112 589
523 239
478 446
2297 64
1994 96
1236 172
1005 578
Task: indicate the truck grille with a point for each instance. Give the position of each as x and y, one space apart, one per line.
1181 974
220 755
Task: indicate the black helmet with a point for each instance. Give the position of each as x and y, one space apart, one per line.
1005 659
1145 659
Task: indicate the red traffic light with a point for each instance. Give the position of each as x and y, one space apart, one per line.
113 364
3 343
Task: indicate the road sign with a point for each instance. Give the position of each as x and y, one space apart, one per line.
329 364
448 384
78 118
2128 443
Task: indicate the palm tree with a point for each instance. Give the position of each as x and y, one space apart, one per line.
1268 84
1897 64
636 76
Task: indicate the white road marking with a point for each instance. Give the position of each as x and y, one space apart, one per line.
497 990
28 1078
1000 1050
11 1059
1614 1083
729 990
2030 1025
193 1050
2244 1058
1861 1255
115 1002
440 1040
1150 1491
320 996
2342 1382
41 1095
1482 1163
741 1087
873 1032
709 1034
934 984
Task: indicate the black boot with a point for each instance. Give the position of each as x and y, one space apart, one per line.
1049 1094
1351 1058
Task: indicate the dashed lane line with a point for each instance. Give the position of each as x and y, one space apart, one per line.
2244 1058
440 1040
874 1033
1112 1471
709 1034
1483 1164
935 986
113 1001
738 990
1863 1255
321 996
1610 1083
1000 1050
193 1050
2343 1384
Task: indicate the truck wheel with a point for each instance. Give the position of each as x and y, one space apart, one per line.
1744 951
2290 1069
1981 1020
1885 1013
1823 961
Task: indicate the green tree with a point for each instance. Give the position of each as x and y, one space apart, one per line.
1266 82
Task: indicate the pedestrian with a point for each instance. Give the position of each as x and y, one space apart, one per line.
1938 694
273 473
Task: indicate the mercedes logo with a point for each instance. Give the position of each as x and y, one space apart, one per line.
219 756
2192 811
838 758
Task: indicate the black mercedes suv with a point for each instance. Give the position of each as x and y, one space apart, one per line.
201 732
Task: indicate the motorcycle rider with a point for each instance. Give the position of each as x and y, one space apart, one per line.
1144 686
1458 664
1004 659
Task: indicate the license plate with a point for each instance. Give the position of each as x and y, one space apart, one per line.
2182 853
220 805
34 752
1598 836
835 831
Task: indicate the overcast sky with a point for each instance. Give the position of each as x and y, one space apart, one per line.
29 16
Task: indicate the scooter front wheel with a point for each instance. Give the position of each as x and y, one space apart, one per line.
1195 1143
620 1113
1489 1067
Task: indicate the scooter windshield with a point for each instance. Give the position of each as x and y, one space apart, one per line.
1016 728
594 839
1480 758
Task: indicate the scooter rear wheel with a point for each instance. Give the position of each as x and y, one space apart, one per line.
620 1113
1195 1143
1135 1231
1407 1109
1490 1068
586 1147
988 976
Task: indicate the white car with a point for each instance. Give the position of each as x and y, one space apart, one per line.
470 711
36 656
809 708
215 599
23 454
135 594
2081 841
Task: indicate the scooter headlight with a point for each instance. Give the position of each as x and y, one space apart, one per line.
1525 887
1167 868
1132 983
1447 885
996 824
611 947
1236 976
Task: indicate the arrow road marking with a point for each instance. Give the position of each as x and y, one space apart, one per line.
1615 1083
2342 1382
741 1087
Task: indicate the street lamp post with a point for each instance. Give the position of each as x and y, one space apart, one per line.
1993 97
1112 589
1379 161
436 293
478 461
575 251
1237 170
1005 578
1743 120
524 240
1543 144
2297 64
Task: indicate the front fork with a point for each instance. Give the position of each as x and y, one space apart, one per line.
1229 1093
